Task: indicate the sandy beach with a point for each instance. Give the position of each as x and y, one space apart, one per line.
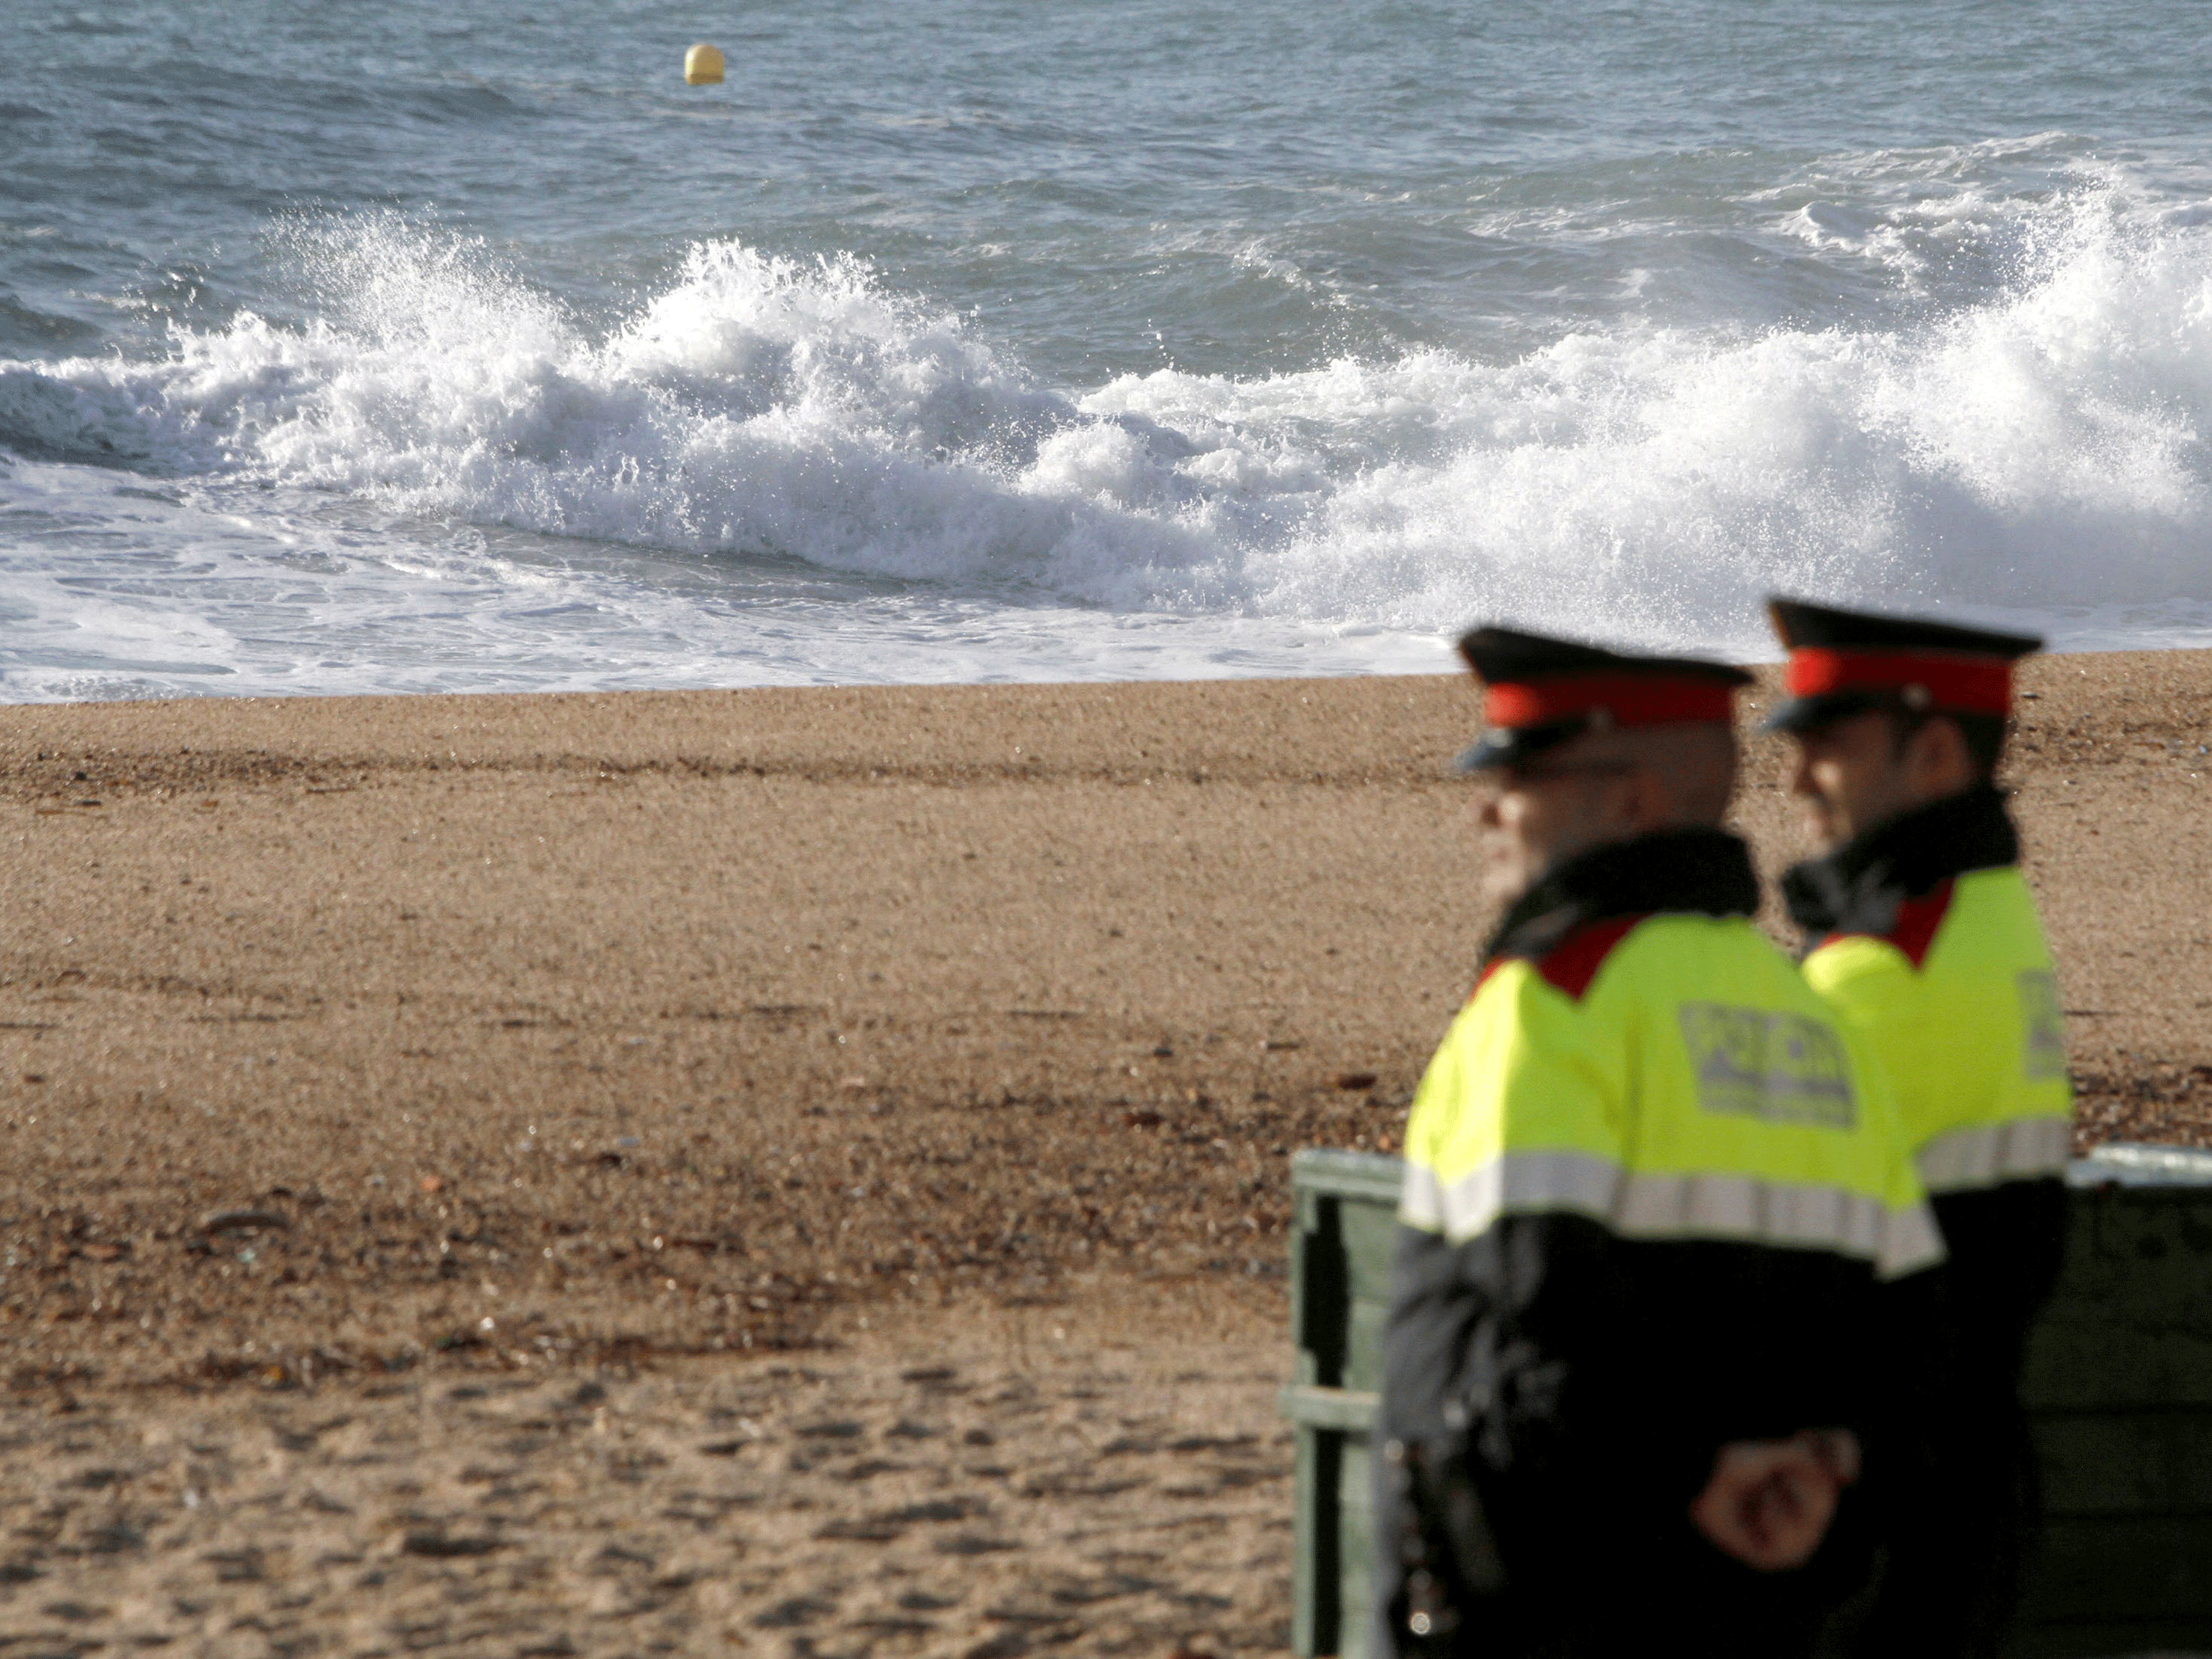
803 1171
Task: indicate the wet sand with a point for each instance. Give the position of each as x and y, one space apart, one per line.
741 1054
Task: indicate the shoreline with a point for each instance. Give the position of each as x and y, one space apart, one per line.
1446 653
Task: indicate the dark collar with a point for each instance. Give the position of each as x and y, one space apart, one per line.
1707 872
1857 888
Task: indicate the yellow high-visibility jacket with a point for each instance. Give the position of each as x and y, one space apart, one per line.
1938 960
1670 1077
1654 1195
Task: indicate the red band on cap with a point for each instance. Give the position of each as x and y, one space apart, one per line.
1965 684
1630 699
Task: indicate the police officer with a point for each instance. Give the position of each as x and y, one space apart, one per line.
1922 934
1651 1194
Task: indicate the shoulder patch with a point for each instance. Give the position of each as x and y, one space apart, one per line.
1573 963
2043 1022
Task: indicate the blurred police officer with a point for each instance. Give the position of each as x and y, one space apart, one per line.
1921 933
1651 1192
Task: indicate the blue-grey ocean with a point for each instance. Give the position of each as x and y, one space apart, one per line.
387 345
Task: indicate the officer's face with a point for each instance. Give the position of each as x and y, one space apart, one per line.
1852 773
1535 817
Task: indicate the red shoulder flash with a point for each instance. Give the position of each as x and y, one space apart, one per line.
1917 920
1573 963
1483 978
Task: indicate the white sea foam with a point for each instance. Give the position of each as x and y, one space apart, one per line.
2041 454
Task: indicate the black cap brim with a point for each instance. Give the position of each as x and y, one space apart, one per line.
1802 714
1505 746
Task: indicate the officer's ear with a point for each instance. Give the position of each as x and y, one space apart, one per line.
1650 799
1937 759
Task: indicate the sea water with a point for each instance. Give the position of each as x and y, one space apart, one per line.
393 346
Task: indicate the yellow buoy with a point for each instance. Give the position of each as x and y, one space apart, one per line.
703 65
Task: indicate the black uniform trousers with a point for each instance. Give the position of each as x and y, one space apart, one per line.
1958 1525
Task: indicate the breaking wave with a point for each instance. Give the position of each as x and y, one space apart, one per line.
2040 451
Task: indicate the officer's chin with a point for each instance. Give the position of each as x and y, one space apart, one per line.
1825 827
1508 871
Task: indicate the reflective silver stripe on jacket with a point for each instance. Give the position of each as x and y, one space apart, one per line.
1517 1182
1988 1154
1788 1214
